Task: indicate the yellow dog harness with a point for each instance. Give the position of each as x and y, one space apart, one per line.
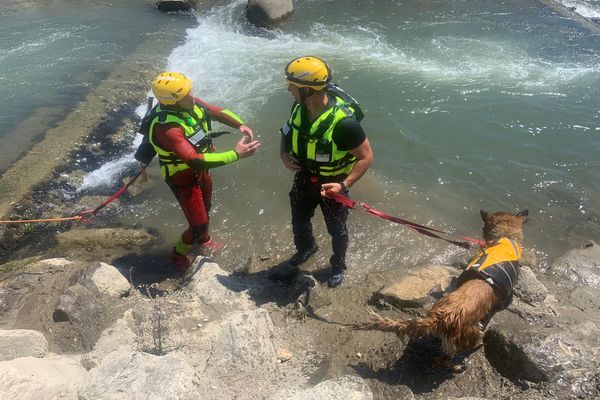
498 265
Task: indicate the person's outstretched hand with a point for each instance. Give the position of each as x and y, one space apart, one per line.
244 150
247 132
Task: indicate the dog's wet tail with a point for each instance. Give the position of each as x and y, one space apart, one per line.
381 323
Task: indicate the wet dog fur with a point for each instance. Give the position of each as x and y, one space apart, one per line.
457 317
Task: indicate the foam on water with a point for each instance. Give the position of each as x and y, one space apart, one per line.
236 67
588 9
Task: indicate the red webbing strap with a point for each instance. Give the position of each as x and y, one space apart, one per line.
117 194
425 230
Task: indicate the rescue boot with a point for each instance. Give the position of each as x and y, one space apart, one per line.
210 248
180 262
335 279
300 257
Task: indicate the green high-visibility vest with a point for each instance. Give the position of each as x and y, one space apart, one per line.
315 149
196 127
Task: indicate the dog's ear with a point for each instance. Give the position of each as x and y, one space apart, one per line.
484 215
523 215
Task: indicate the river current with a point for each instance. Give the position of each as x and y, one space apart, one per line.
469 105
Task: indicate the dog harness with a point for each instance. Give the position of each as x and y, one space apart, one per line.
498 265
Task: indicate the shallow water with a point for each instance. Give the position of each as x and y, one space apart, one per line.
470 105
53 54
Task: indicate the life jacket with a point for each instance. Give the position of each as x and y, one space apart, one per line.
196 128
314 146
498 265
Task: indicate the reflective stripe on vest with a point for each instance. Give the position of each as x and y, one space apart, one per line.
195 126
498 265
316 149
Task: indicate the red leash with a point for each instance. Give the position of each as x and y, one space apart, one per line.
89 214
425 230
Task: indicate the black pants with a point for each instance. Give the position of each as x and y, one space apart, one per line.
304 198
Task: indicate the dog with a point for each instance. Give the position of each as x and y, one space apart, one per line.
483 288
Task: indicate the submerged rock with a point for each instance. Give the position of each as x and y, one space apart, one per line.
175 5
107 238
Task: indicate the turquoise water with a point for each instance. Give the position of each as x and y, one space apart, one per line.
470 105
52 55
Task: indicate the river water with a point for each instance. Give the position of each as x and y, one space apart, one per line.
469 105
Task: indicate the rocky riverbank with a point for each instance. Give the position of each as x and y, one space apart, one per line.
138 331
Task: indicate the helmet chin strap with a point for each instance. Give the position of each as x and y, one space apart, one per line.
305 94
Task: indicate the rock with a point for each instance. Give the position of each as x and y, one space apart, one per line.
30 378
175 5
77 304
133 375
346 387
214 286
118 337
22 343
528 288
106 279
309 293
581 265
415 288
534 354
106 238
585 298
284 355
244 346
539 313
268 12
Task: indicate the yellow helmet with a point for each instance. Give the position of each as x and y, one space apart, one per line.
308 71
170 87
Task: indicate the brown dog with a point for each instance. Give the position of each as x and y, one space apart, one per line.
482 289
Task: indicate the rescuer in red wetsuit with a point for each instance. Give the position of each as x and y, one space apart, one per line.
179 133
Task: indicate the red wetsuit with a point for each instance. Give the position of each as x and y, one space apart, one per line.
192 187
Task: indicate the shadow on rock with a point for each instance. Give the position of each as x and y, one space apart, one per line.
150 273
415 368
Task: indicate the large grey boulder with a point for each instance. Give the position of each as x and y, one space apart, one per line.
77 304
268 12
535 354
529 289
580 266
418 287
244 345
216 287
22 343
234 354
105 279
31 378
347 387
141 376
117 337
